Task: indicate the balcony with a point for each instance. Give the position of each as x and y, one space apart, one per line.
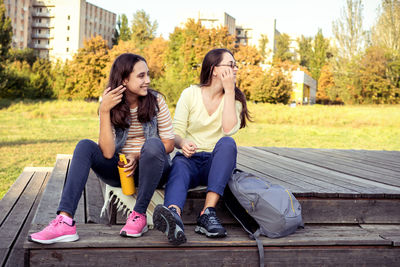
43 14
42 46
42 35
42 25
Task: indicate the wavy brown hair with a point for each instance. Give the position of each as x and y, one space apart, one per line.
212 59
147 105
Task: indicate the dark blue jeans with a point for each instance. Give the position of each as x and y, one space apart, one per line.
151 173
203 168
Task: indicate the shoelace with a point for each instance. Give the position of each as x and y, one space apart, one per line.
56 221
135 218
213 219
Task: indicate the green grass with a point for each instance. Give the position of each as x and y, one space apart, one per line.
33 133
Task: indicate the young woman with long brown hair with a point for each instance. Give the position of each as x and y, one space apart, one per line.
135 121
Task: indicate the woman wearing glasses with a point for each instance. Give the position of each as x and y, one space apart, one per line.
206 116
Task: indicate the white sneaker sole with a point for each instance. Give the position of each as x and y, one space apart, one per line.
64 238
124 233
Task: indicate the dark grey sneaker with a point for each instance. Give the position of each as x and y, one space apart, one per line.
169 222
208 224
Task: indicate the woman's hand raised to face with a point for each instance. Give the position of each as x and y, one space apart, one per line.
228 80
111 98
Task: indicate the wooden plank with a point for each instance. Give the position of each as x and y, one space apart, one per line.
291 185
11 197
359 186
341 211
203 257
359 167
314 210
359 170
374 160
316 187
14 222
52 194
94 198
390 232
325 179
104 236
16 256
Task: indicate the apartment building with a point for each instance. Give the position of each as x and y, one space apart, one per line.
56 29
19 12
214 20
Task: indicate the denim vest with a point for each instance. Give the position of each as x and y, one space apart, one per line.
150 130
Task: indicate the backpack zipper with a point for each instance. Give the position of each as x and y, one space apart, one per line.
244 195
291 200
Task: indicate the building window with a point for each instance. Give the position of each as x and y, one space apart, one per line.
67 39
67 28
69 17
67 49
48 41
38 41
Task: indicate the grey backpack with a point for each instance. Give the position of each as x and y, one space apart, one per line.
261 207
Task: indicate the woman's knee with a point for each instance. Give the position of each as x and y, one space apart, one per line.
153 147
85 146
227 142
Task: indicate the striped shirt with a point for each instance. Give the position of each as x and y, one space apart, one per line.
136 138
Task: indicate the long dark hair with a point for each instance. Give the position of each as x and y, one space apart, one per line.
212 59
147 105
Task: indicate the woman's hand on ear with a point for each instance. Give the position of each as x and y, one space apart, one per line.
228 80
111 98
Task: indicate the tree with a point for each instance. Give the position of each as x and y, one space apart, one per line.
27 54
116 33
319 55
326 86
5 44
262 46
186 49
5 33
87 70
143 30
124 31
348 30
248 59
272 87
386 32
41 79
305 51
282 52
350 39
376 87
155 54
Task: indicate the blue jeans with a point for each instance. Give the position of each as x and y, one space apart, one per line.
151 173
203 168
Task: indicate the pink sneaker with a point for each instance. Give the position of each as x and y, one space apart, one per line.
57 231
136 225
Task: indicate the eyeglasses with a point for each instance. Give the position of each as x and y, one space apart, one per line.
232 65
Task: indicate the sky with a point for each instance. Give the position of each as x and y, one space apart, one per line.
295 17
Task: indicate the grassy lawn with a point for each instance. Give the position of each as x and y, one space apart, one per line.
33 133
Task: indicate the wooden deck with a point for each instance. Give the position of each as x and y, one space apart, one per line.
350 201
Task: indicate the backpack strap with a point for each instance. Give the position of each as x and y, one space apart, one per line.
260 246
